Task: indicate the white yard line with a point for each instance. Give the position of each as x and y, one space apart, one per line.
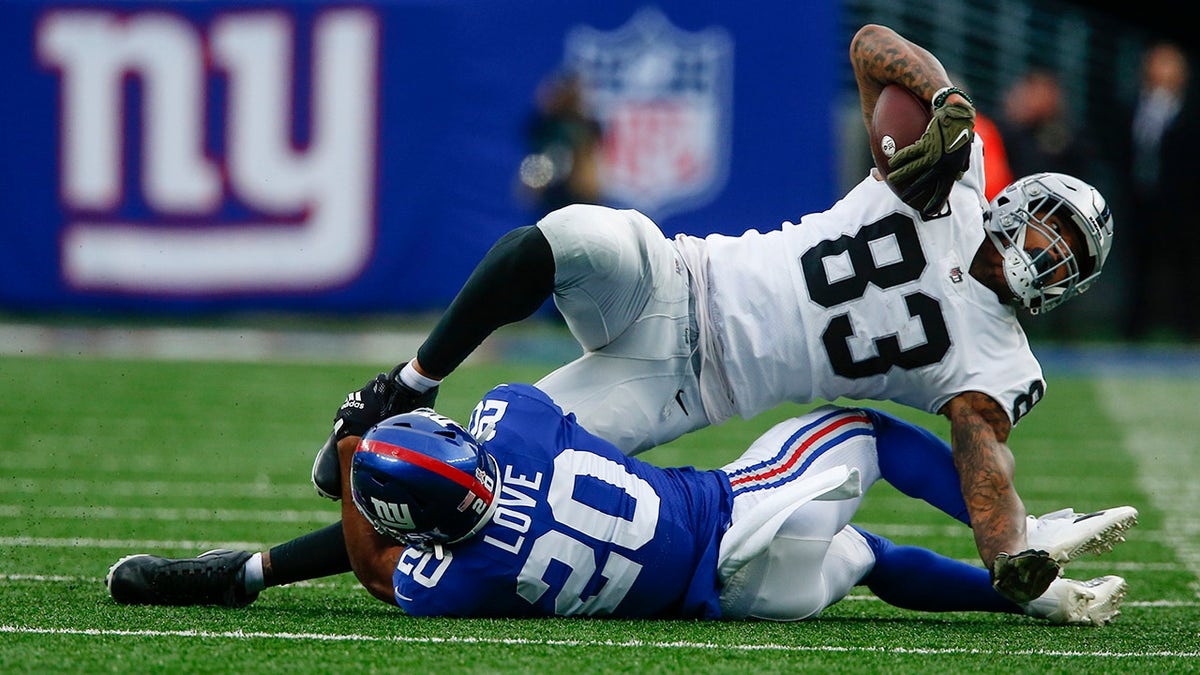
624 644
197 515
1161 423
208 344
85 487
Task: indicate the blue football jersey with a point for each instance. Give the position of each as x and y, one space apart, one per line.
580 528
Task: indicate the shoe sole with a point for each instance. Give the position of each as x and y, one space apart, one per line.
113 568
1104 612
1103 541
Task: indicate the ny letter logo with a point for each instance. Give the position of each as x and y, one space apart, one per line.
395 515
311 210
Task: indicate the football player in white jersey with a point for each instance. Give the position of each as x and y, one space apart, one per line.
874 299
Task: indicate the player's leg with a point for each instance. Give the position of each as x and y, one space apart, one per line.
225 577
512 281
596 261
798 577
235 578
790 579
919 579
624 293
815 558
827 437
918 463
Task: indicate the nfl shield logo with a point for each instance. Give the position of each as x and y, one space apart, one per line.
664 96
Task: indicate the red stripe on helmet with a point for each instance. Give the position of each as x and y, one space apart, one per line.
428 463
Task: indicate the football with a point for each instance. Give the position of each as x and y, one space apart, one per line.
899 120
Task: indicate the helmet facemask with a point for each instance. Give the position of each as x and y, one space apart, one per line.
1042 270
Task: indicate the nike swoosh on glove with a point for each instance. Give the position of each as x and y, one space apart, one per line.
925 171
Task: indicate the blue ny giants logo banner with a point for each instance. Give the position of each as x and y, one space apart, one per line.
665 99
249 211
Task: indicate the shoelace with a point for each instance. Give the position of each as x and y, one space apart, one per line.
212 580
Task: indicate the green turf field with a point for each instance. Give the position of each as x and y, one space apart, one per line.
102 458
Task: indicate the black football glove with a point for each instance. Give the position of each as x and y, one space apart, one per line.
1024 576
381 398
924 172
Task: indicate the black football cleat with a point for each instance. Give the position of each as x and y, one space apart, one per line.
212 578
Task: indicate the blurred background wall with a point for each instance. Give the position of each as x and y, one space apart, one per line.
213 157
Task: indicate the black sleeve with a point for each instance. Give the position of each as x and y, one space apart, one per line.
512 281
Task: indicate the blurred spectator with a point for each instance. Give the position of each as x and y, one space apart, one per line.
1162 227
1040 136
1037 133
564 140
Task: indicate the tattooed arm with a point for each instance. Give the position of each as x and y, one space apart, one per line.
979 431
880 57
979 434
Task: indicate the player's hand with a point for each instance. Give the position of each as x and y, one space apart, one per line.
381 398
1024 576
926 170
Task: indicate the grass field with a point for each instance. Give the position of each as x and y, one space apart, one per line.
107 457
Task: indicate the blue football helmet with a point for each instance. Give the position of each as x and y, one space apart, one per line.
1044 277
423 480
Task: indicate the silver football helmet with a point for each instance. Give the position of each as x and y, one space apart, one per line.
1043 275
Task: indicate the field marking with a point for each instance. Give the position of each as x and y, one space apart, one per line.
1162 432
64 579
637 644
209 344
77 487
199 515
139 544
181 466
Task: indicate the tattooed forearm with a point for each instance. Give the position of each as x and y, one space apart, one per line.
985 469
880 57
880 54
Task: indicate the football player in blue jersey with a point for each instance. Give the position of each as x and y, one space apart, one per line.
526 513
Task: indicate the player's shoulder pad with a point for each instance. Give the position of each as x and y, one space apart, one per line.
514 392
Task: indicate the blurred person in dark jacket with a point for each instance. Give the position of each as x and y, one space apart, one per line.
564 141
1163 179
1038 134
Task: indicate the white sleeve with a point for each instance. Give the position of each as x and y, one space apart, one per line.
973 176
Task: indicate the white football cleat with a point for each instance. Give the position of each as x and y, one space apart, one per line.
1067 535
1093 603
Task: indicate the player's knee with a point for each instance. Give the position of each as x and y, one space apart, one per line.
577 219
794 587
799 603
591 241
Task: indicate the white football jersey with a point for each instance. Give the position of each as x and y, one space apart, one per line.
865 301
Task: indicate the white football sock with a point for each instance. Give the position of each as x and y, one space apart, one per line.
253 570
